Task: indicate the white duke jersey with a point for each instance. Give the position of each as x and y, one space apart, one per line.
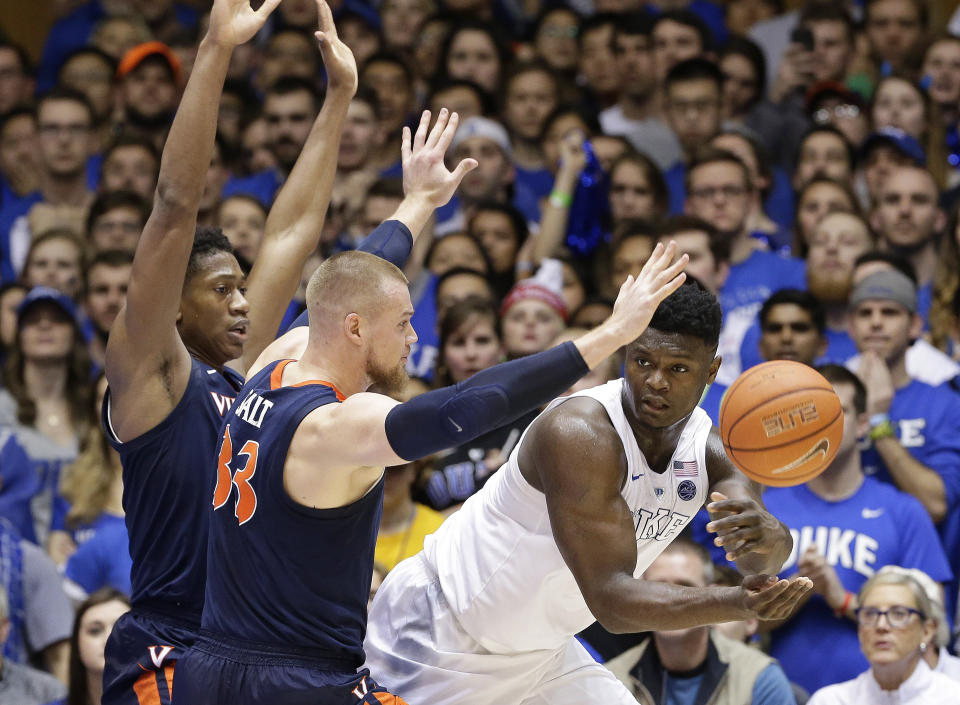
496 559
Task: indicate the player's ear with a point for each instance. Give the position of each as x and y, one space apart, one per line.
714 368
352 328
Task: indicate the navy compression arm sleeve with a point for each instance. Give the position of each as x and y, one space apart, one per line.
451 416
390 240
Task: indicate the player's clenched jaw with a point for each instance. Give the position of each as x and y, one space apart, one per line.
665 377
213 310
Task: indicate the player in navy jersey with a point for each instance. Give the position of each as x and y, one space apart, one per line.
300 478
188 313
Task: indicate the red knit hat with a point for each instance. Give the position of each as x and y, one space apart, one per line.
546 286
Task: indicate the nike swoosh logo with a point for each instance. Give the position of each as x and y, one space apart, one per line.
636 477
871 513
821 448
455 425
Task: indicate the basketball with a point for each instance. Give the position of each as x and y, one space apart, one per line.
781 423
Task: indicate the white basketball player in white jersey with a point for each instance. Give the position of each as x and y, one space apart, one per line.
599 484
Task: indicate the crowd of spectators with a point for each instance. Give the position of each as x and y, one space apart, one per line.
805 156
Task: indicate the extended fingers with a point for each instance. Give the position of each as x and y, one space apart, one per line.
786 602
405 145
438 127
446 137
421 136
265 9
325 19
463 167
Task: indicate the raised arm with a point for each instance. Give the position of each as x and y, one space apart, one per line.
144 339
367 430
574 456
755 539
296 218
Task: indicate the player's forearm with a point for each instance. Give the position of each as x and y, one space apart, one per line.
189 146
627 605
301 205
600 343
914 477
414 211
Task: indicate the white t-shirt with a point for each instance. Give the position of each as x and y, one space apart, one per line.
923 687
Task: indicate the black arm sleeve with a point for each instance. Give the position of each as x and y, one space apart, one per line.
451 416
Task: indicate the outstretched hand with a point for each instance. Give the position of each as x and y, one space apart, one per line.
233 22
639 297
338 60
424 171
769 598
742 526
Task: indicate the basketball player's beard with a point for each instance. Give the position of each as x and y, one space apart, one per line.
829 288
387 381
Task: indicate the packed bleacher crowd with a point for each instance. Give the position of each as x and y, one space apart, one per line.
806 158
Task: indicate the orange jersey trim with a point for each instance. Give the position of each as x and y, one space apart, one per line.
276 378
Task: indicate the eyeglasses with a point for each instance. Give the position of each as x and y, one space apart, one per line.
708 193
897 616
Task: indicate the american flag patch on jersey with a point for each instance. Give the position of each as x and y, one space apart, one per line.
685 468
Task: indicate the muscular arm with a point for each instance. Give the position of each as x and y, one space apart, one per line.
296 218
757 540
144 342
575 457
914 477
147 364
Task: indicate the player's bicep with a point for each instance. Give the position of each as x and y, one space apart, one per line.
353 433
581 473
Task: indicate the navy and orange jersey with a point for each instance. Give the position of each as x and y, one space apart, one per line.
167 476
281 574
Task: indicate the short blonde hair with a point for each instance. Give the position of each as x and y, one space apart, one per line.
350 280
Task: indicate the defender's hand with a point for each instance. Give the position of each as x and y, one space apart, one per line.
233 22
424 172
338 60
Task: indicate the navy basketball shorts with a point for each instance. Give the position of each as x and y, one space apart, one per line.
214 672
140 658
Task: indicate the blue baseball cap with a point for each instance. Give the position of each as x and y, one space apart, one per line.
41 294
899 140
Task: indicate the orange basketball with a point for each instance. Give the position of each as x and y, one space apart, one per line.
781 423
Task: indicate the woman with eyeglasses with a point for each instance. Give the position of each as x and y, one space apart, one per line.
895 629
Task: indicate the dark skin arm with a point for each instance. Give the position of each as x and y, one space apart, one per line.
755 539
573 455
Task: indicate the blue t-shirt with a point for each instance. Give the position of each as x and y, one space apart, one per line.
877 526
263 186
748 285
103 560
423 353
18 485
538 182
927 422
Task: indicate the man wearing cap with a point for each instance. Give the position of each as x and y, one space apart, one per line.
486 141
884 151
914 427
907 221
150 77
